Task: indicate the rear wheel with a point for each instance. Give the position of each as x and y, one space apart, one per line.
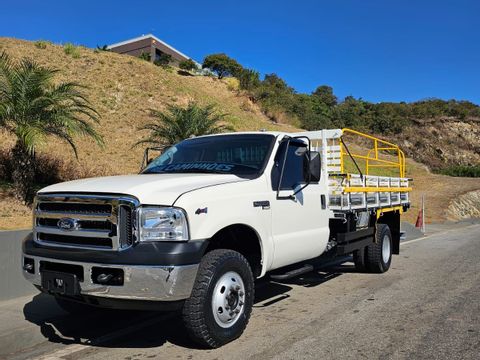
378 256
219 307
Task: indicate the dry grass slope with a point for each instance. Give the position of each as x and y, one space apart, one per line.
123 89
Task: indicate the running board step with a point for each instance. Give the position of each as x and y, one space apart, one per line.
293 273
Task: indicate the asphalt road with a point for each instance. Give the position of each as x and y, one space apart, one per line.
426 306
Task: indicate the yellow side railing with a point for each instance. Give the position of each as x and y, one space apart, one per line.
378 156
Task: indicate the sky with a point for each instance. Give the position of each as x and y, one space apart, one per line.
379 50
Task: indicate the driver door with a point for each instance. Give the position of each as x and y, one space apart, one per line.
299 223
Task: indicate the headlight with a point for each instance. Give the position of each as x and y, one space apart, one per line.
162 224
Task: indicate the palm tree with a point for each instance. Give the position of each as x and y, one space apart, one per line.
32 108
179 123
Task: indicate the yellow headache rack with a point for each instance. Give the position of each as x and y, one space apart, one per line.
373 157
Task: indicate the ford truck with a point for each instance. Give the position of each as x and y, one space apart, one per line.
204 220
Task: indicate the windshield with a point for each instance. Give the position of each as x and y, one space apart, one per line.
242 155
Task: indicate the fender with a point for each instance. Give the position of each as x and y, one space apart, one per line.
211 209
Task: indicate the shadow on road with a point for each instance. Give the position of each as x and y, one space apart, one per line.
144 329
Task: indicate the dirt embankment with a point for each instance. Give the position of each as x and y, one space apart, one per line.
465 206
443 142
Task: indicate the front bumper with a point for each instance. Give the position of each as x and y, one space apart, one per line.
151 283
163 271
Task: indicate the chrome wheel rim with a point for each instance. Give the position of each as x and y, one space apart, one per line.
386 249
228 299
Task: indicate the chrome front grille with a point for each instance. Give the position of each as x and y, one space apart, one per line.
85 221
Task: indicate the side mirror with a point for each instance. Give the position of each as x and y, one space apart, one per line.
314 166
286 194
146 156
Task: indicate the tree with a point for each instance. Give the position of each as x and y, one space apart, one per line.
325 94
274 94
32 108
389 118
312 113
355 113
222 65
179 123
277 83
188 65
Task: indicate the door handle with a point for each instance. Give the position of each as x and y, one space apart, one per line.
323 201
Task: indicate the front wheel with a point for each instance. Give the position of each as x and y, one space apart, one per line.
220 305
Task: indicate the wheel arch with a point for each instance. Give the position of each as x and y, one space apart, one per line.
392 219
244 239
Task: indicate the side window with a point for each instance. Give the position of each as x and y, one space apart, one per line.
295 165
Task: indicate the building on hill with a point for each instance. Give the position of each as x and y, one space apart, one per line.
151 45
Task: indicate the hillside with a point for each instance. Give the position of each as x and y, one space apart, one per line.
442 142
123 89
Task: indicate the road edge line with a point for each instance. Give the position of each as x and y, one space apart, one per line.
437 233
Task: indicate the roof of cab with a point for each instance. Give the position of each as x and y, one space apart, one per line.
274 133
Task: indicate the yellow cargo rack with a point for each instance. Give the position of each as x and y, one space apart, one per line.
363 189
352 183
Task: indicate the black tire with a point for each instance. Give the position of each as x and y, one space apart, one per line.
198 316
374 253
72 307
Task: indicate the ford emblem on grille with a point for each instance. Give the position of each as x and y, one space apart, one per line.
67 224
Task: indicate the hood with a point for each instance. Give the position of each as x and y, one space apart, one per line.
153 189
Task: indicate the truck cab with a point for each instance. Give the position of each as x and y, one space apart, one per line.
210 215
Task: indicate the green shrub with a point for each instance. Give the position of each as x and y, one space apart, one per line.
188 65
461 170
145 56
163 60
249 79
41 44
232 84
48 170
71 50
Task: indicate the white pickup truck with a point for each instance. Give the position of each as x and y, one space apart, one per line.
210 215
